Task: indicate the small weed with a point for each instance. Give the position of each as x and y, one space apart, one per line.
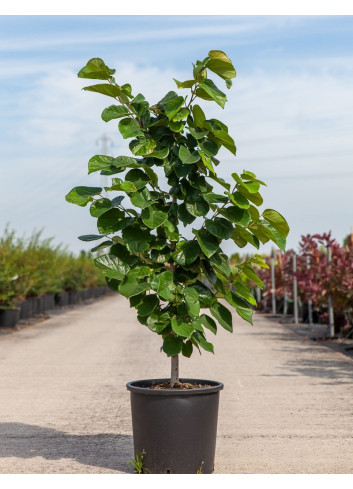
199 469
138 463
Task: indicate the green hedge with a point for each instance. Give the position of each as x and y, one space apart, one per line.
35 266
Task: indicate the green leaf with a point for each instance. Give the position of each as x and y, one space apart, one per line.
206 296
221 65
147 305
219 227
142 198
165 287
199 116
167 98
152 176
202 342
237 215
137 239
187 157
172 345
132 286
254 214
277 221
176 126
187 349
137 177
220 262
209 271
184 215
171 231
101 246
142 146
185 84
223 138
99 163
242 308
124 161
255 198
91 237
238 199
208 243
213 92
186 252
260 233
209 323
192 301
82 195
222 315
221 182
243 291
182 114
113 267
211 198
129 128
140 271
273 235
156 322
123 254
197 206
100 206
209 147
96 69
160 154
181 328
153 216
252 275
111 221
198 133
105 89
114 112
173 106
244 234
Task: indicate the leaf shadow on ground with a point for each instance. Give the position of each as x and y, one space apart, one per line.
106 450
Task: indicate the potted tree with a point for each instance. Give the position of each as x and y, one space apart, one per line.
162 250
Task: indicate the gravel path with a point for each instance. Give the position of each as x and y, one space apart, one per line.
286 408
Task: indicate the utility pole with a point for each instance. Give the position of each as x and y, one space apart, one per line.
104 140
331 325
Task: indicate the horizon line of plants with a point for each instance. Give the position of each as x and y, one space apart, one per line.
34 266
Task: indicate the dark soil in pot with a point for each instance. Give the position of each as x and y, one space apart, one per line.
175 428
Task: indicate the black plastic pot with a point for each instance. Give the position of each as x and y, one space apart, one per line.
62 299
26 309
9 317
74 297
176 429
48 302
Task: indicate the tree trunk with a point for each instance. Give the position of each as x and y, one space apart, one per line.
174 376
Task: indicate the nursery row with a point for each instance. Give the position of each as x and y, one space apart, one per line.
323 270
36 276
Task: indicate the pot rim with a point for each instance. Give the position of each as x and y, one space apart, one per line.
139 387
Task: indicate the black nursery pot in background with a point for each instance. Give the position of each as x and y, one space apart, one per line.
9 317
176 429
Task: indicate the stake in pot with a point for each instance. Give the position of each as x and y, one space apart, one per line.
160 245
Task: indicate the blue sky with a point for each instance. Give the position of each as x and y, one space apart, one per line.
290 109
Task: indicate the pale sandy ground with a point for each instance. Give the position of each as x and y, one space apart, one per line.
287 406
